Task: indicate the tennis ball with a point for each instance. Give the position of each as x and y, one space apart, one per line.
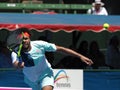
106 25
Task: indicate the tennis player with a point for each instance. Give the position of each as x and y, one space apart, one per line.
38 73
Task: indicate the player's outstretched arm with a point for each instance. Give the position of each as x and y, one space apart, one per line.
72 52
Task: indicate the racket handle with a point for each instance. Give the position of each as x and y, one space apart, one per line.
20 59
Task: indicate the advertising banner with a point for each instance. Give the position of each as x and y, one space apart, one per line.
68 79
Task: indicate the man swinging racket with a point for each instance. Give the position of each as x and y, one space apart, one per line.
30 56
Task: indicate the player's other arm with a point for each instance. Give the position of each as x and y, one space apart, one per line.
72 52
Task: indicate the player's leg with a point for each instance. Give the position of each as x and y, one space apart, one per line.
49 87
33 85
48 82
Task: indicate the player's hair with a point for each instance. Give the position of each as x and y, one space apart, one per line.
22 30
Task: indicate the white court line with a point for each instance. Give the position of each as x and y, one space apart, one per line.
20 88
14 88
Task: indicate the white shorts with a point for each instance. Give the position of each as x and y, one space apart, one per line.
47 79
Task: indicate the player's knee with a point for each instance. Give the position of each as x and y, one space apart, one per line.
49 87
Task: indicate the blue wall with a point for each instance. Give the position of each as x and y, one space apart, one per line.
102 80
93 80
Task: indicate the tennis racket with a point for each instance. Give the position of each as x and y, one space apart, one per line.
14 43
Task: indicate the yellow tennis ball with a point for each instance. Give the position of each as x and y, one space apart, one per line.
106 25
